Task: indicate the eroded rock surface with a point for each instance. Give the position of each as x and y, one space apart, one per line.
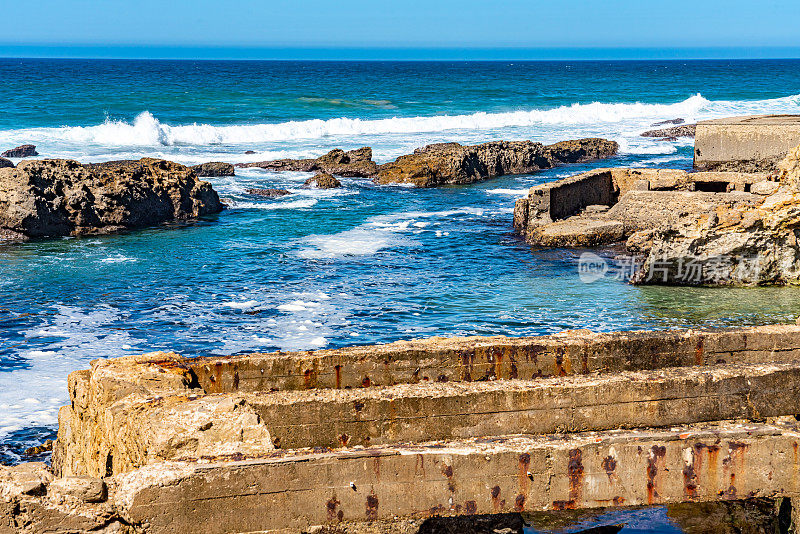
684 130
56 197
268 193
353 163
213 168
453 163
22 151
323 180
734 245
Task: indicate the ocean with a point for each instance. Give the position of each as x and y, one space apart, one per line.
358 265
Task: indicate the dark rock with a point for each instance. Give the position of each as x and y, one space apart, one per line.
664 123
4 163
686 130
249 151
353 163
323 180
509 523
213 168
452 163
39 449
59 197
22 151
269 193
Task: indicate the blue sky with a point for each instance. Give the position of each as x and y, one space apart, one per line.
285 28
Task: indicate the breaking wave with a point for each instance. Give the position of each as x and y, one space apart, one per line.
147 130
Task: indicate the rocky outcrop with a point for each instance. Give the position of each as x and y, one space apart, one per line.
685 130
43 198
323 180
22 151
452 163
669 121
734 245
268 193
4 163
353 163
213 168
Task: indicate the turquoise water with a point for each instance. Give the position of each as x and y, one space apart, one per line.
362 264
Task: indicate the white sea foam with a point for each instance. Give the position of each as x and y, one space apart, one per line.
64 342
147 131
512 192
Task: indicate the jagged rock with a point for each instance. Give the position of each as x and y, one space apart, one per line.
39 449
22 151
353 163
57 197
323 180
767 187
4 163
269 193
86 489
213 168
685 130
734 245
452 163
664 123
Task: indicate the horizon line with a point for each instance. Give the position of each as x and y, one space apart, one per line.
392 53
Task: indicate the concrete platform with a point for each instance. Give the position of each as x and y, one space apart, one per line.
750 144
363 440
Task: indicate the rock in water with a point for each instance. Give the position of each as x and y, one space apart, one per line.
452 163
353 163
323 180
686 130
57 197
213 168
22 151
735 245
4 163
269 193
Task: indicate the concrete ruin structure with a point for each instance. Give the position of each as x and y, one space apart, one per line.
384 438
734 168
752 143
611 205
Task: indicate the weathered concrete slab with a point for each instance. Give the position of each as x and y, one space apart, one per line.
414 413
295 490
478 358
394 434
753 143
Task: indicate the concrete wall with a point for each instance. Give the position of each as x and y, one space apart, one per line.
754 143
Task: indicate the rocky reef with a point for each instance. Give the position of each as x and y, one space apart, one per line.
22 151
268 193
685 130
353 163
323 180
449 163
213 169
740 244
453 163
56 197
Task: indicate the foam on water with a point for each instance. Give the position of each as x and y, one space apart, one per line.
617 118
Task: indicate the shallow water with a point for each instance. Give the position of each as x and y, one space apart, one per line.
362 264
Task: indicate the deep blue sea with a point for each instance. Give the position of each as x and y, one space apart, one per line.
358 265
